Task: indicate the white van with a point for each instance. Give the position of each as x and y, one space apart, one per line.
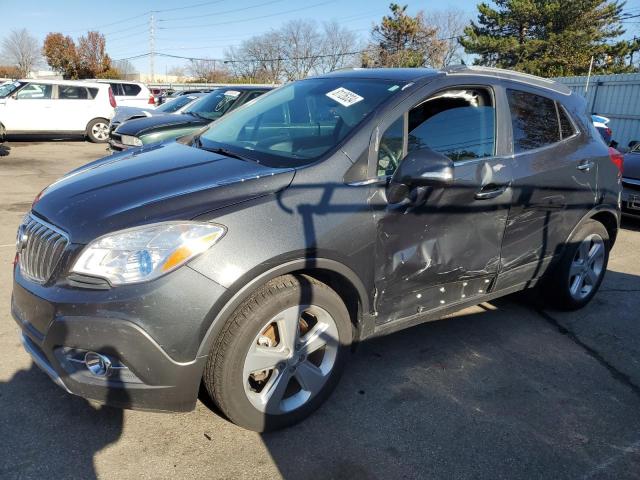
57 108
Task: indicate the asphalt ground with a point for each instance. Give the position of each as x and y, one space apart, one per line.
503 390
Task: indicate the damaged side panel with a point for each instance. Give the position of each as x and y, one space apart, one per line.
442 244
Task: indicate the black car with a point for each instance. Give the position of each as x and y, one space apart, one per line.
142 131
250 257
631 182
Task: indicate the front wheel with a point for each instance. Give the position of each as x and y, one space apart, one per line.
576 279
280 355
98 130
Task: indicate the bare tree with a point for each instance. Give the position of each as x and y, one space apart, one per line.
294 51
301 47
338 46
125 67
21 49
449 25
203 69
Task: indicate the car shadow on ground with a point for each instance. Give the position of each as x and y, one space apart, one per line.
4 150
501 391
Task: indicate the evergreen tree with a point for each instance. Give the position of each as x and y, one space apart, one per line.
549 37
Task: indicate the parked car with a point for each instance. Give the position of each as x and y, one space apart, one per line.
57 108
142 131
175 105
602 125
249 257
631 182
130 94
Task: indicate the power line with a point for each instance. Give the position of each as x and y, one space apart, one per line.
249 19
261 4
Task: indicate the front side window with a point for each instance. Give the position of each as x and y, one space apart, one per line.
390 148
299 122
534 120
458 123
35 91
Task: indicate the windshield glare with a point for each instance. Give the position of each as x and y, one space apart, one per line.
9 88
215 104
299 122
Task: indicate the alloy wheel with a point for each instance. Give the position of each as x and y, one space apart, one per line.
291 359
100 131
586 267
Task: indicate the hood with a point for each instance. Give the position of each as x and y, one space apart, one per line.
631 166
140 126
122 114
167 181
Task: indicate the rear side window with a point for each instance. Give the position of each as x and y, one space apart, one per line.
534 120
131 89
69 92
116 88
566 127
93 92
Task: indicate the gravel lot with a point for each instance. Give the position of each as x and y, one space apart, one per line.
501 391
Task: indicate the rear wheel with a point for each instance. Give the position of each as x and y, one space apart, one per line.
98 130
581 270
280 355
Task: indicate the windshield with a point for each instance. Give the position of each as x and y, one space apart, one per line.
8 88
215 104
301 121
175 104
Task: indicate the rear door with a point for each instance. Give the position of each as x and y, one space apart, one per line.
74 107
554 182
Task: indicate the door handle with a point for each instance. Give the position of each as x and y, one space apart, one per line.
585 166
490 191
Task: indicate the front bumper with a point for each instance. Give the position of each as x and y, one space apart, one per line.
153 380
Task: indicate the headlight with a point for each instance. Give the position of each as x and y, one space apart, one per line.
131 141
144 253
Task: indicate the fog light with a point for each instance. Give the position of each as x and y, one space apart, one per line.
98 365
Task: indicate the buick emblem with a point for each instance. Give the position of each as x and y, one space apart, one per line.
21 240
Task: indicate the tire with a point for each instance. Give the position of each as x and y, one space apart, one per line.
296 381
98 130
578 276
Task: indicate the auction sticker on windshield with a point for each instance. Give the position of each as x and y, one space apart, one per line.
232 93
344 97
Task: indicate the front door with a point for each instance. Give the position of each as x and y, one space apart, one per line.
441 246
32 109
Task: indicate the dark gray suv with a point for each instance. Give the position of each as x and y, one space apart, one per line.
250 257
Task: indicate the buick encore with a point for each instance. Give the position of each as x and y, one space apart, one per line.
250 256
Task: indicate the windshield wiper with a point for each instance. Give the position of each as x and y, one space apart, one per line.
222 151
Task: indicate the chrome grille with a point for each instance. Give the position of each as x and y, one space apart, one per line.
40 246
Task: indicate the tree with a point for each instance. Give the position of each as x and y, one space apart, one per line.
549 37
9 72
449 25
93 60
61 55
86 60
295 50
207 70
20 49
402 40
125 67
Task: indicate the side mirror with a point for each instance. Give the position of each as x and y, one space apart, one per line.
14 96
424 167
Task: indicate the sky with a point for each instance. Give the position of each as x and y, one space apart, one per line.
199 28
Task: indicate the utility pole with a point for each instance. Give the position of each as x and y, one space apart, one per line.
152 47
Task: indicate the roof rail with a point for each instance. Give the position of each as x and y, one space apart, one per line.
509 75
